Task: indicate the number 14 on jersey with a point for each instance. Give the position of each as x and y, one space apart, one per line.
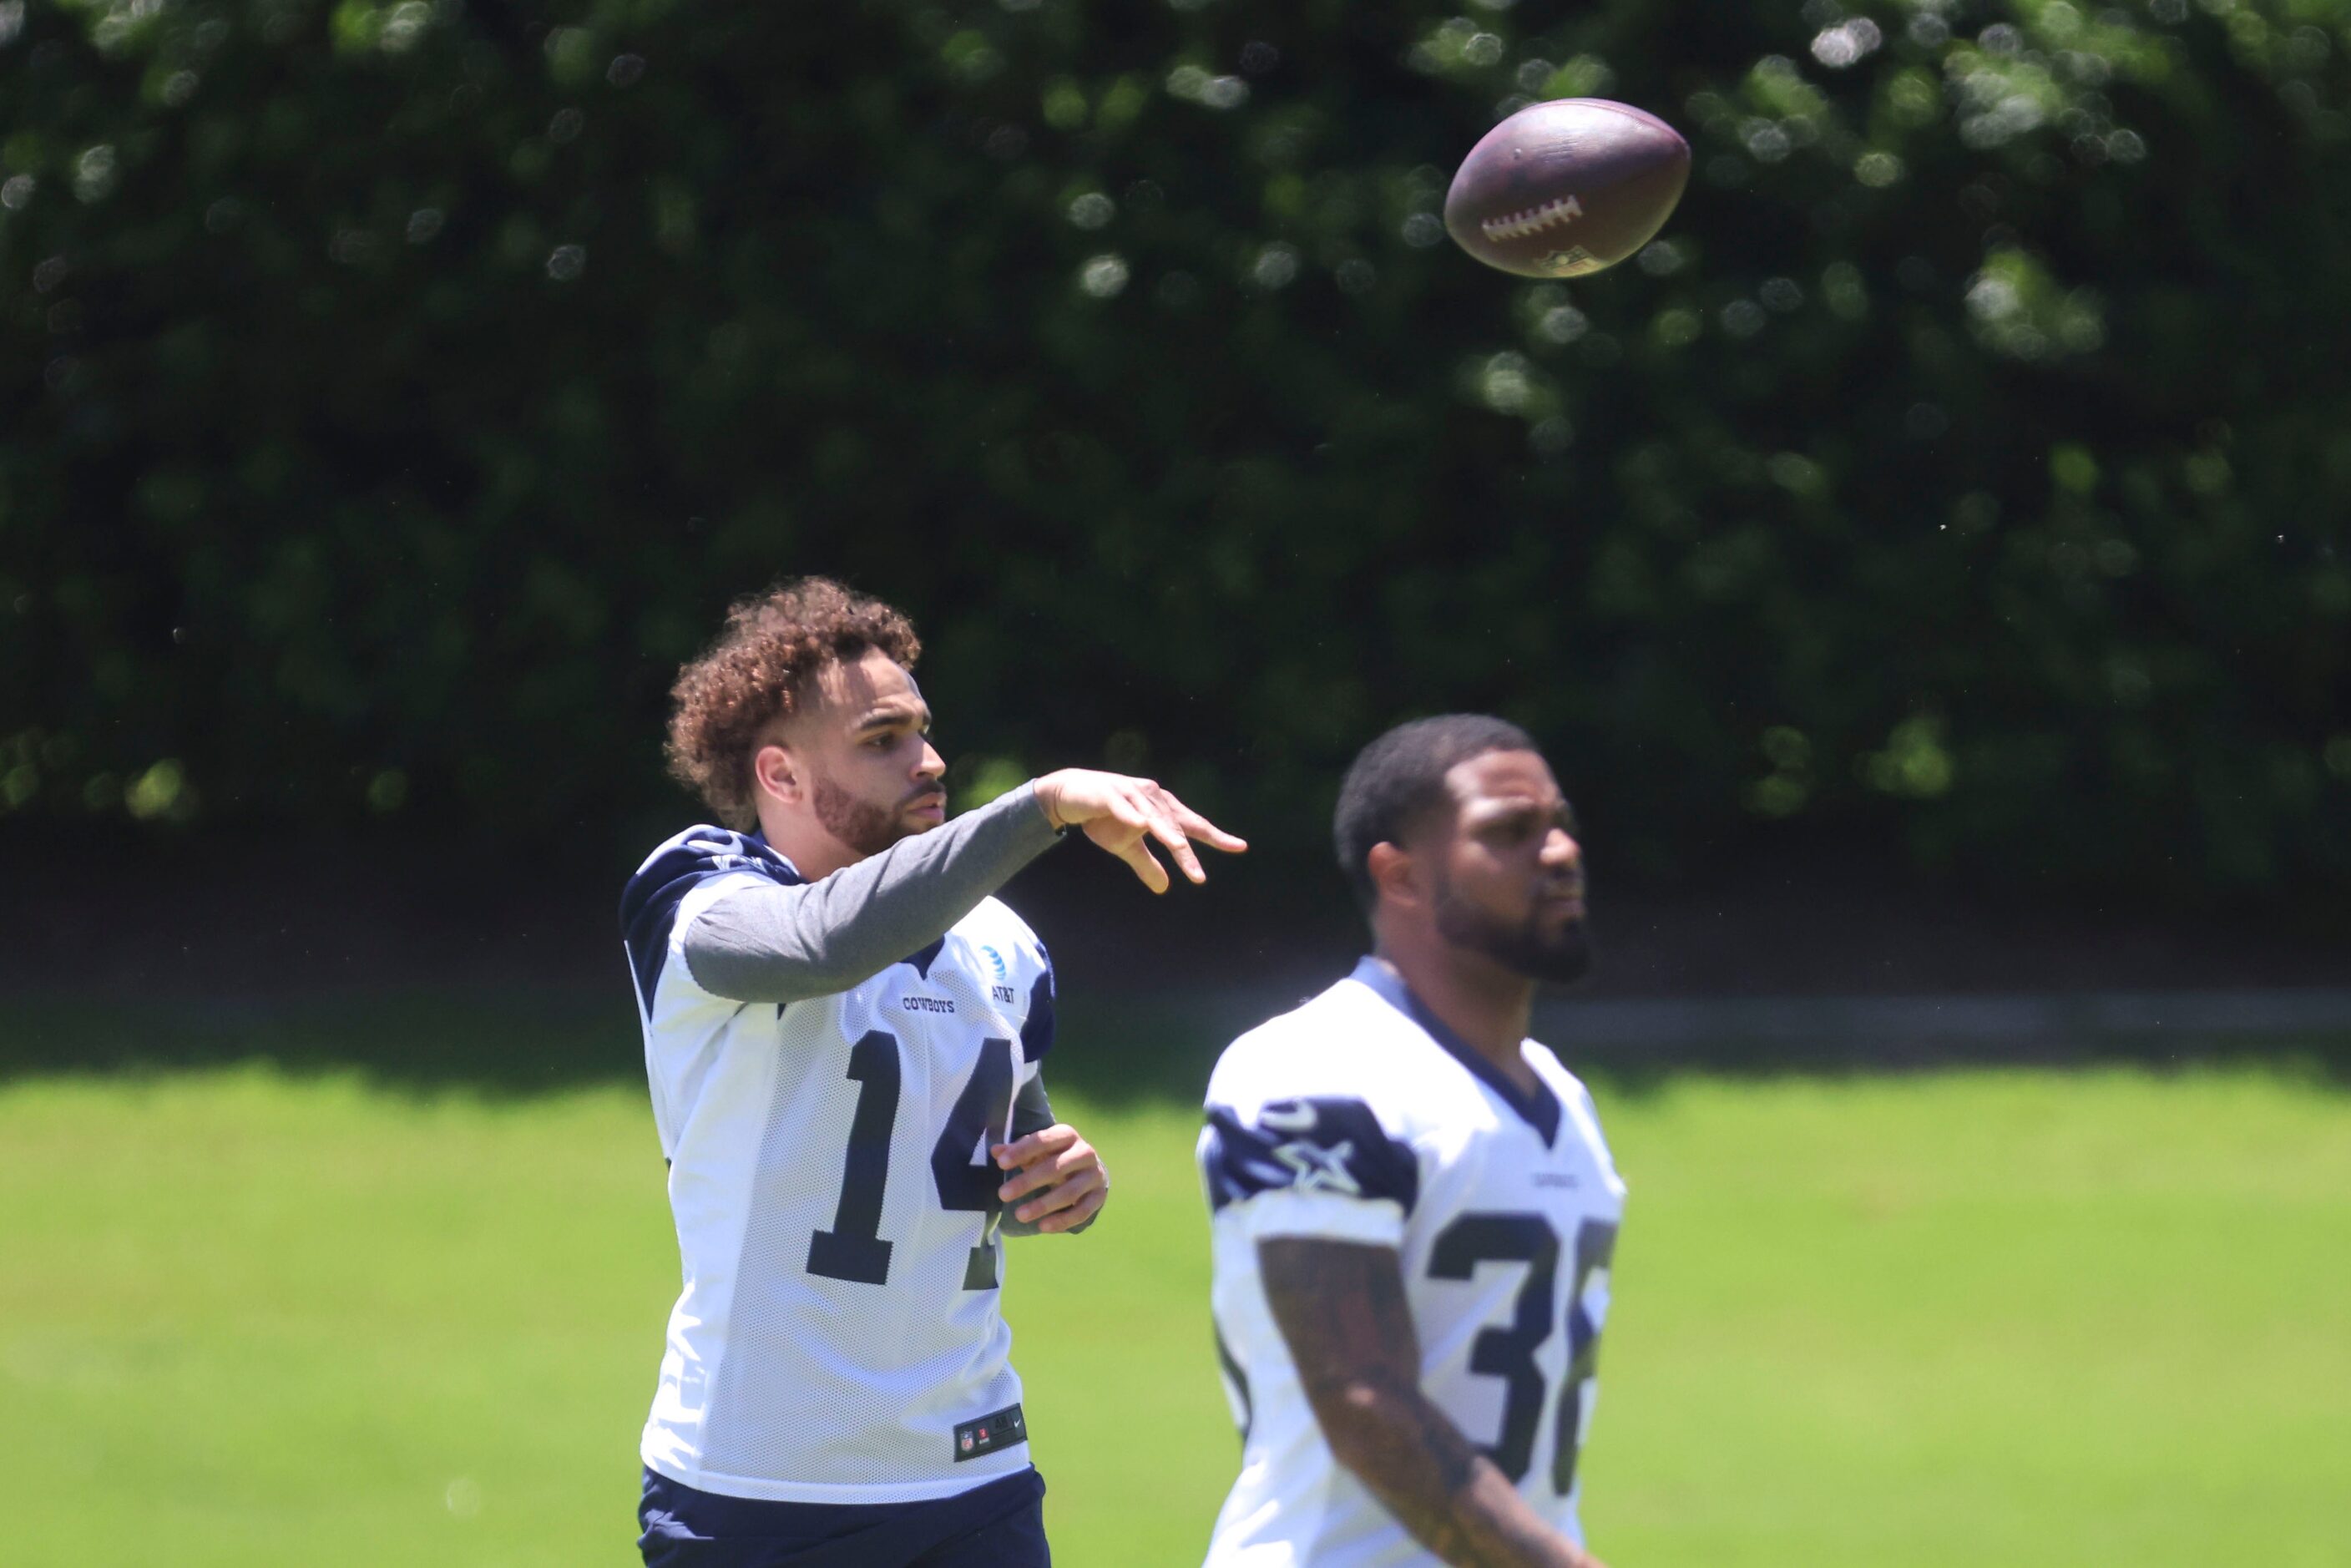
853 1249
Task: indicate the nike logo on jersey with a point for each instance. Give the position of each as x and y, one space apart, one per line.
1003 1429
1319 1170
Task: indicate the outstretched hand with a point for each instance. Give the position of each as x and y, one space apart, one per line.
1125 815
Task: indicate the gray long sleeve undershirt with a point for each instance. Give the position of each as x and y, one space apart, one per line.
777 944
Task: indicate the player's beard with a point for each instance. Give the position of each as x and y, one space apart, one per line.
1562 958
861 825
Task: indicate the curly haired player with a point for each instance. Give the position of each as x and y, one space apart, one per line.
845 1033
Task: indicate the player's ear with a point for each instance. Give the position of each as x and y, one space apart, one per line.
776 772
1394 875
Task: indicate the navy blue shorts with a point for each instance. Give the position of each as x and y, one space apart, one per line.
998 1525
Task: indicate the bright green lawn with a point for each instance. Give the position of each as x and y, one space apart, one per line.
2016 1319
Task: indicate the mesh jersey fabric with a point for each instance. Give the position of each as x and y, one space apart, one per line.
839 1317
1359 1118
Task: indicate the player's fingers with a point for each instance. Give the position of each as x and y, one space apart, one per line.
1078 1157
1122 830
1192 823
1167 826
1031 1179
1035 1146
1179 848
1044 1172
1206 831
1059 1195
1088 1204
1146 866
1133 808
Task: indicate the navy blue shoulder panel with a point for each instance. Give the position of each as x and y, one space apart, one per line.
1037 1033
649 903
1315 1145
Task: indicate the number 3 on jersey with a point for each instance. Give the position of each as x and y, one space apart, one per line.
1509 1354
853 1249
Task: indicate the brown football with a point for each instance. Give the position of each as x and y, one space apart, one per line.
1565 188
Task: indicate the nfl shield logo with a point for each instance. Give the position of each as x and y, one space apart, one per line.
966 1442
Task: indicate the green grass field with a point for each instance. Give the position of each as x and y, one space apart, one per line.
2022 1319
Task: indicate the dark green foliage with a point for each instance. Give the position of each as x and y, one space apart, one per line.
394 394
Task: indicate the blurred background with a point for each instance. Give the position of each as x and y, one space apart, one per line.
1924 564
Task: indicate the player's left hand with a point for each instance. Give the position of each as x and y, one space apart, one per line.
1060 1174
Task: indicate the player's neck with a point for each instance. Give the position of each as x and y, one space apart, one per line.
1488 1006
814 852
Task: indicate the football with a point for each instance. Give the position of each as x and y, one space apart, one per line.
1565 188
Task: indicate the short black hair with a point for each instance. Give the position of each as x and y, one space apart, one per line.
1401 775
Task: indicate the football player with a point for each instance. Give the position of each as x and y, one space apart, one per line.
1414 1210
843 1037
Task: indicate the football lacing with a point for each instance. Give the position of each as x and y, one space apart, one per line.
1533 220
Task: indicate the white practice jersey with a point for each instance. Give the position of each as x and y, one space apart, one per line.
838 1339
1360 1118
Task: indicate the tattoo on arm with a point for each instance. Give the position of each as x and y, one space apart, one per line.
1342 1310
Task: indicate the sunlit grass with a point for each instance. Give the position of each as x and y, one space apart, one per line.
2033 1318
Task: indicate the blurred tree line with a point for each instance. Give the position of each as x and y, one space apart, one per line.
395 393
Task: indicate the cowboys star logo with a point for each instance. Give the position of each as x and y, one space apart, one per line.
1319 1170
